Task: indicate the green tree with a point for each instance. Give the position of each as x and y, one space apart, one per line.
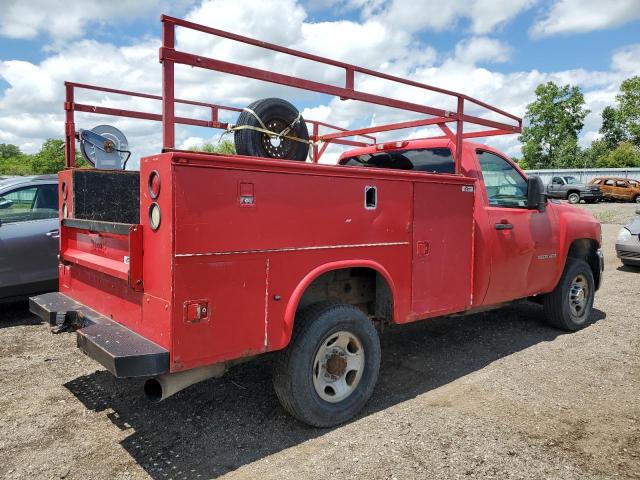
625 155
554 120
226 147
8 150
50 158
622 122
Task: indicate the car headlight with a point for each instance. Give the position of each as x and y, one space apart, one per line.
624 235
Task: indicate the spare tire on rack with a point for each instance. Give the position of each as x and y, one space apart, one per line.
276 115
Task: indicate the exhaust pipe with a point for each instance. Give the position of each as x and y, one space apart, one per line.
158 388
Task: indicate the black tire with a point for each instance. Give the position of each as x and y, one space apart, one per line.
277 115
293 376
573 198
636 199
557 304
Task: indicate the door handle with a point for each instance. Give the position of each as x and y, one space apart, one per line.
504 226
53 234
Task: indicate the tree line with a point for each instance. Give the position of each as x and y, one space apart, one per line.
50 159
554 120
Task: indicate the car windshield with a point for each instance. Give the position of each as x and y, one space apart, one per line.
571 180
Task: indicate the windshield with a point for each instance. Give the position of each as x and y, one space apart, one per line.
571 180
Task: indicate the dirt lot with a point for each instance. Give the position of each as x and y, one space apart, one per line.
497 395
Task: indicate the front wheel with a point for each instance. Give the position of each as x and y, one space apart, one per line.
574 198
569 305
636 199
330 368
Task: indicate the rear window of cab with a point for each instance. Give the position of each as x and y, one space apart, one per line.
431 160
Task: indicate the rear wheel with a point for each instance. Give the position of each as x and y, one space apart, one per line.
636 199
569 305
574 198
330 368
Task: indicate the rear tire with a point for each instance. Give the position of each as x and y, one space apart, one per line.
573 198
330 368
277 115
569 305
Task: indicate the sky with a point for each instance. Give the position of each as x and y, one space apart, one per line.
495 50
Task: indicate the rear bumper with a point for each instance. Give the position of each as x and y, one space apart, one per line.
120 350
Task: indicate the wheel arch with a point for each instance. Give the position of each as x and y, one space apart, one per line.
317 272
586 249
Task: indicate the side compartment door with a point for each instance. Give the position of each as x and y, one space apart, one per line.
443 231
524 243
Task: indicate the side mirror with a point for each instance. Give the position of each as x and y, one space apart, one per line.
536 198
5 202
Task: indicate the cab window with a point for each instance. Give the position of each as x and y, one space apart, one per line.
35 202
433 160
634 184
557 181
609 182
620 183
504 185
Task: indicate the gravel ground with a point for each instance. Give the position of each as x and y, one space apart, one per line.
495 395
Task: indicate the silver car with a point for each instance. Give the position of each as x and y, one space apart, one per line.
29 233
628 242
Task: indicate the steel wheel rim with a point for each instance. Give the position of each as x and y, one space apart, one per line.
275 146
579 295
573 198
338 366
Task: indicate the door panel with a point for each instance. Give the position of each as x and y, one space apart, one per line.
523 242
29 236
443 230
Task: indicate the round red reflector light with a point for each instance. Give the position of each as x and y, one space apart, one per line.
154 184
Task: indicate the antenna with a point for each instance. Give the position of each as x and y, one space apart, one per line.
104 147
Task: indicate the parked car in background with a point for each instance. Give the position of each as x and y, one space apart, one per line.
620 189
628 242
569 188
29 233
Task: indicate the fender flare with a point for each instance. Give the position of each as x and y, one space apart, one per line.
298 292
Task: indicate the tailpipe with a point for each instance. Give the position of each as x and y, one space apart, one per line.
158 388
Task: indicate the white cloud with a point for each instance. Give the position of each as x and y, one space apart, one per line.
65 19
411 15
627 59
580 16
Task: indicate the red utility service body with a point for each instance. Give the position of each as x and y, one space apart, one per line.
431 237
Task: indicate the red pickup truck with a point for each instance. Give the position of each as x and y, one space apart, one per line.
200 261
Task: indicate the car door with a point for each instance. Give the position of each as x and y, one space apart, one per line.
29 233
623 191
608 187
524 242
555 187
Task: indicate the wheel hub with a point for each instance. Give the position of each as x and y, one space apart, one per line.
338 366
578 295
